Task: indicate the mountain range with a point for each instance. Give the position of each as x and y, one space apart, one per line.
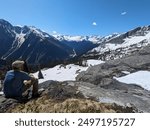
121 45
31 44
38 47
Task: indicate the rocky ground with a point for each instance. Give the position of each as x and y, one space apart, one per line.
63 97
111 90
94 90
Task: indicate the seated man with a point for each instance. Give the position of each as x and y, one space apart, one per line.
16 82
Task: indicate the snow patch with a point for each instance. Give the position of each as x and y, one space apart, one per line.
74 54
141 78
1 93
20 38
63 73
125 72
94 62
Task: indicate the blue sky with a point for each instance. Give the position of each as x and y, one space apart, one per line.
77 17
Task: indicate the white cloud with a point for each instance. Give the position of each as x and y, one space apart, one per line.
94 24
124 13
54 32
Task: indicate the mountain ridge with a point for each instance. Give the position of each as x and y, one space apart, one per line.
30 44
122 45
38 47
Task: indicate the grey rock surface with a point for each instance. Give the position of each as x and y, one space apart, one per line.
106 71
107 89
127 96
116 92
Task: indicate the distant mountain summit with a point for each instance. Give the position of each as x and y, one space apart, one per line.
80 44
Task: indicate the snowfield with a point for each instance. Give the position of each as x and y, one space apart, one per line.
69 72
63 73
141 78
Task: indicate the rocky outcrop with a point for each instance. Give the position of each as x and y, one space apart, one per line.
107 89
65 97
106 71
72 96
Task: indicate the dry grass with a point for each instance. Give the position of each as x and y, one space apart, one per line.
44 104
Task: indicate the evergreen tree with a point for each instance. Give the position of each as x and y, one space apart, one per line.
40 75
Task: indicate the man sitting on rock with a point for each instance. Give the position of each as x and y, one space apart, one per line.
17 82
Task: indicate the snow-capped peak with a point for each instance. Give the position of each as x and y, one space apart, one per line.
19 26
112 36
93 39
39 32
69 38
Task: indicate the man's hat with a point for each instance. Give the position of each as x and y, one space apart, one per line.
17 64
